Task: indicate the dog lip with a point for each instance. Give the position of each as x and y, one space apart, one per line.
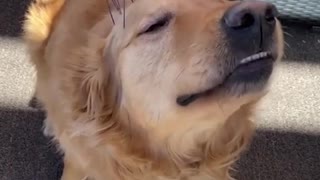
187 99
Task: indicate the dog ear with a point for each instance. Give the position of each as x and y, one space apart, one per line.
90 82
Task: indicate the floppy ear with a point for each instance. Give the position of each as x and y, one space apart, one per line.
90 84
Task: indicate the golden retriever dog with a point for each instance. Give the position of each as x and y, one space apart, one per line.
152 89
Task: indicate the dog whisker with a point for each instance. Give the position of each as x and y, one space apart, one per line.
116 5
285 55
124 13
110 13
286 33
287 44
180 73
198 62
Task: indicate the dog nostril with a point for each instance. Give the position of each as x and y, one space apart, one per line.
239 19
270 15
247 20
241 22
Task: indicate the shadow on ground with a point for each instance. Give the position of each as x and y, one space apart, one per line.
281 156
26 154
11 16
302 42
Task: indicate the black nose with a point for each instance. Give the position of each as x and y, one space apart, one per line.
251 15
250 24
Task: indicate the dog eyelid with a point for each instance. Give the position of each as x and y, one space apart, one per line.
156 22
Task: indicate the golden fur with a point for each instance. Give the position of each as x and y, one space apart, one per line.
107 93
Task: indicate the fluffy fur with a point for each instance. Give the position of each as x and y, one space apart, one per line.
110 94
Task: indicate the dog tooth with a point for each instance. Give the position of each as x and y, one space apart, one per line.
253 57
264 54
243 60
259 56
250 59
256 56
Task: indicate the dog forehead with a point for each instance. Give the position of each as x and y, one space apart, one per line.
145 7
139 9
197 4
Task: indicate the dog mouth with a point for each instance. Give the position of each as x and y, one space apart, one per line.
252 69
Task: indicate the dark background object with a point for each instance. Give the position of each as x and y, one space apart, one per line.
299 10
11 16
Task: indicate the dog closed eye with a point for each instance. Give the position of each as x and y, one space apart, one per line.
157 24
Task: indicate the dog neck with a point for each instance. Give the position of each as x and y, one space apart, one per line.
208 153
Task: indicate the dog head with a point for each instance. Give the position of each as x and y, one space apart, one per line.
181 63
176 72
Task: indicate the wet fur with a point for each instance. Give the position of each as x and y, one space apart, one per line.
79 90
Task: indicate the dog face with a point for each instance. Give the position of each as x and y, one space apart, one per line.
186 64
159 95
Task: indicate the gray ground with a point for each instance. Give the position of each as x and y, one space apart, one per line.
286 146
